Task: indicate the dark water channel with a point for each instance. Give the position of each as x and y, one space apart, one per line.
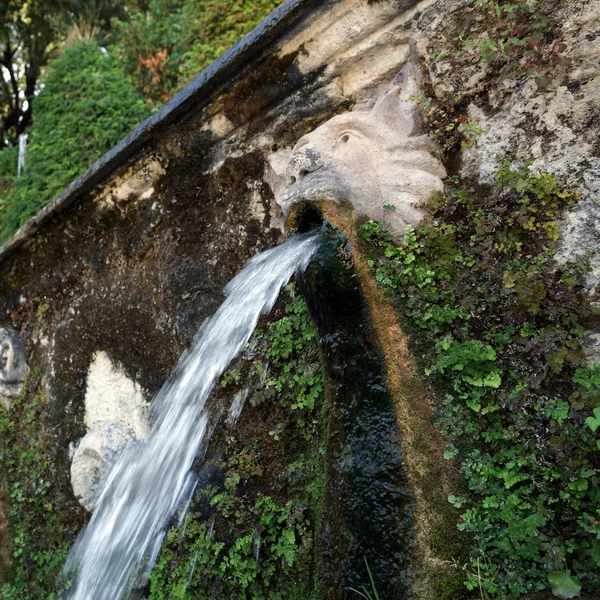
367 506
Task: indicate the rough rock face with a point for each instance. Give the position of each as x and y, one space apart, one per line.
548 113
13 365
137 260
115 414
379 160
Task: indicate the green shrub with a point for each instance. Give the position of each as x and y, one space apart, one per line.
87 105
167 45
9 157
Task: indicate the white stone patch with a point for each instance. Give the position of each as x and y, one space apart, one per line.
257 208
138 182
220 125
115 413
592 346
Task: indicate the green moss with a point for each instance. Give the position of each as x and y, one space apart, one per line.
451 588
496 327
43 522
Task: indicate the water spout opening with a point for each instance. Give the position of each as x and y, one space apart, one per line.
306 218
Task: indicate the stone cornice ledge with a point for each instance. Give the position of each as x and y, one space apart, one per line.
199 90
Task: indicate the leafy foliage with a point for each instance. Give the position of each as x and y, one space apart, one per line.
169 42
88 103
9 157
268 539
31 31
518 38
43 524
295 375
86 107
564 586
238 541
497 327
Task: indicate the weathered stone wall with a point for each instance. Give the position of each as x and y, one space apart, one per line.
132 266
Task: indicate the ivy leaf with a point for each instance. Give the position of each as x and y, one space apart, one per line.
564 585
456 501
474 404
492 380
450 452
594 422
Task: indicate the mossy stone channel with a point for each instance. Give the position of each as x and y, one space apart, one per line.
367 512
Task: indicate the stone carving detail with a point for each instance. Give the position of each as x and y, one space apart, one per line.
115 413
13 365
370 158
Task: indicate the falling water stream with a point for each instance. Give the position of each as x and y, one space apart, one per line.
151 478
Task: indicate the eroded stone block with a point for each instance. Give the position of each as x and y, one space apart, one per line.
116 412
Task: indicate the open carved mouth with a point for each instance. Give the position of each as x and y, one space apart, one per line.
316 187
305 218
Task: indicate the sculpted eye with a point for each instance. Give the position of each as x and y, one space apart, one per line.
345 138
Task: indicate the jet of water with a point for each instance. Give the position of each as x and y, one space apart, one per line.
152 477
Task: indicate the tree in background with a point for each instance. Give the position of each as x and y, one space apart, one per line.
91 100
87 106
29 32
166 43
212 26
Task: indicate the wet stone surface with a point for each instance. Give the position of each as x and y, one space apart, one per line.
367 507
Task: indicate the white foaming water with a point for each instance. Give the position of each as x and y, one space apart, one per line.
152 479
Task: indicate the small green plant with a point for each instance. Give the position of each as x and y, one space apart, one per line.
366 593
296 372
588 378
242 539
515 41
564 585
268 538
497 328
450 128
43 522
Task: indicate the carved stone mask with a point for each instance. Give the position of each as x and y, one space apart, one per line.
370 158
13 365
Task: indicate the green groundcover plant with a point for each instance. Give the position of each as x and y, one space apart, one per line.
497 327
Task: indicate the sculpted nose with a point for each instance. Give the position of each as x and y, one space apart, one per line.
305 160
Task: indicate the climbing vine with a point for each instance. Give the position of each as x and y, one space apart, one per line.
497 327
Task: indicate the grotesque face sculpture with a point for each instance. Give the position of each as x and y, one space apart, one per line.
370 158
13 368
